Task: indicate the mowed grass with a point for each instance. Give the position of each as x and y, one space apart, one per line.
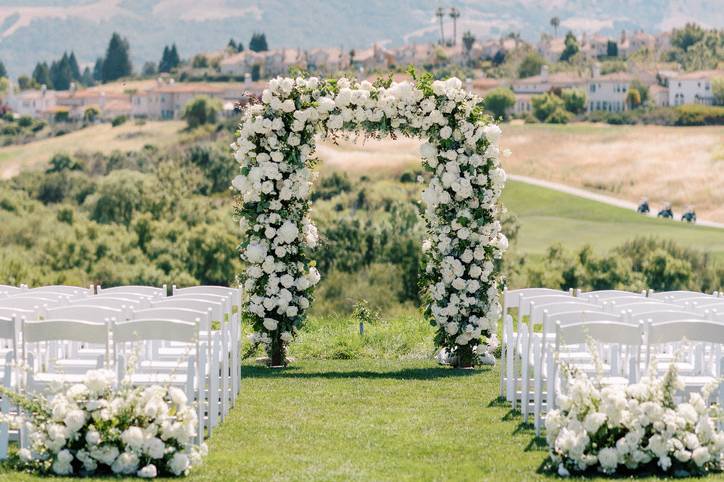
102 137
547 217
368 420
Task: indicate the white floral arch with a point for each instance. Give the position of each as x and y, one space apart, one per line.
275 148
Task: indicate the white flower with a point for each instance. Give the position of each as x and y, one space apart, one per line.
105 454
593 422
147 472
288 232
74 420
177 395
270 324
178 464
154 447
608 458
133 437
286 336
126 464
445 132
255 253
452 328
700 456
428 151
25 455
99 380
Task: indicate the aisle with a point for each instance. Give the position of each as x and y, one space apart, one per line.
370 420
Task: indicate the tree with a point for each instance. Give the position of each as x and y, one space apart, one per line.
255 72
498 101
611 49
545 105
633 98
149 69
117 62
169 60
574 100
258 43
468 42
201 110
231 45
61 74
571 48
41 75
642 89
74 68
25 83
91 113
200 62
63 162
717 90
455 15
555 23
87 77
686 37
173 58
531 65
98 70
3 71
440 14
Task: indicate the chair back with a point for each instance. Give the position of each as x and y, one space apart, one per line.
98 314
155 329
674 295
659 316
605 295
135 289
172 313
64 329
695 330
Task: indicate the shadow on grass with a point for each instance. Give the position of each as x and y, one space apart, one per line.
402 374
498 402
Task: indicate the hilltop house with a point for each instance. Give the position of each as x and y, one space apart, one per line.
33 103
167 100
326 60
526 88
551 48
608 92
109 105
693 87
640 40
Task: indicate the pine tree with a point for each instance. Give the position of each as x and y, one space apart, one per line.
117 62
173 58
61 74
163 64
98 70
3 72
74 69
258 43
87 77
232 45
240 47
41 75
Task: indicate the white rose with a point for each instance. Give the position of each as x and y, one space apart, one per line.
179 463
74 420
270 324
177 396
255 253
154 447
428 151
452 328
445 132
148 472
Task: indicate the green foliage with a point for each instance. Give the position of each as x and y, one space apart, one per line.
200 61
169 60
571 47
214 165
331 186
201 110
41 75
695 48
531 65
574 100
258 43
633 98
699 115
636 265
717 90
119 120
117 61
611 49
91 113
63 162
498 101
550 108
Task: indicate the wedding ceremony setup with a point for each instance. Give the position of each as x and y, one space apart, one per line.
136 380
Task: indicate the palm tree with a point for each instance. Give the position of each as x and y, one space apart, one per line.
441 14
454 15
555 23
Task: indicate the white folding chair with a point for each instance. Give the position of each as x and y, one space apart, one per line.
123 304
702 333
607 295
58 330
218 310
8 289
213 343
8 335
616 334
70 291
511 299
150 291
543 352
674 295
236 296
191 380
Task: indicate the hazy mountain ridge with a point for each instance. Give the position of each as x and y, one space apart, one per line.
43 29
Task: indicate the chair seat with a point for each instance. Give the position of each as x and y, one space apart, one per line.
158 379
44 378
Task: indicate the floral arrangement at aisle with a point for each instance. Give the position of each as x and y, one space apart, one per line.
275 149
90 429
634 428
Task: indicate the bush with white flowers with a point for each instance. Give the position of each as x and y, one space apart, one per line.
90 428
275 147
634 428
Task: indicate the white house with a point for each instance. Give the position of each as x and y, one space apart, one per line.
607 92
693 87
544 82
659 95
33 103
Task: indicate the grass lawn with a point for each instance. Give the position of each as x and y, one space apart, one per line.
548 217
368 420
102 137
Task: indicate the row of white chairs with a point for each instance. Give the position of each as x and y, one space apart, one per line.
190 339
524 349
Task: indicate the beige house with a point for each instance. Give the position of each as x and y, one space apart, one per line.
659 95
328 60
545 82
693 87
34 103
608 92
630 44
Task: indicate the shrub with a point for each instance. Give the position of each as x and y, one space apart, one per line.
545 104
498 101
119 120
574 100
200 111
25 121
699 115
